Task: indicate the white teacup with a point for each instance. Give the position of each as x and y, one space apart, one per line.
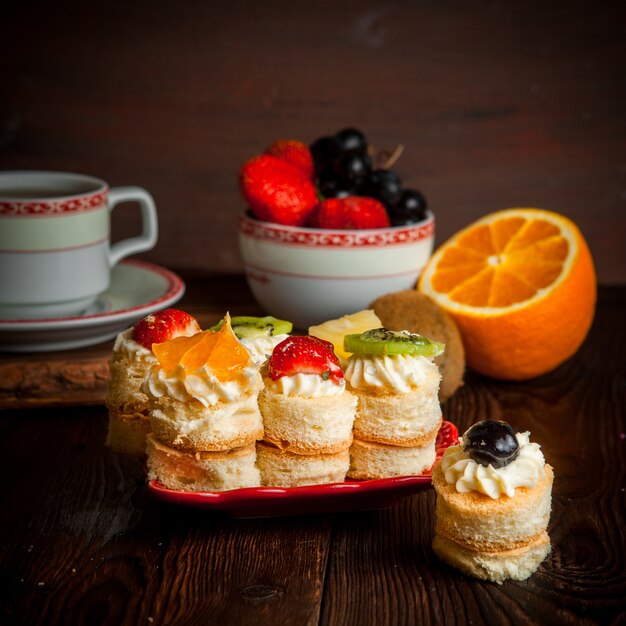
55 251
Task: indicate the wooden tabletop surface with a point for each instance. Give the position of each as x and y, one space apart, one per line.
83 542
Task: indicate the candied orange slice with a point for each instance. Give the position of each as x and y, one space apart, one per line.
219 351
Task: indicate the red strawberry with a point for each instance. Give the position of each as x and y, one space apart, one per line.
304 355
351 212
164 325
277 191
295 152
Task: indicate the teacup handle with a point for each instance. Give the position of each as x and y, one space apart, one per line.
149 231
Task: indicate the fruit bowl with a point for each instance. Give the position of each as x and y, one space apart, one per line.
310 275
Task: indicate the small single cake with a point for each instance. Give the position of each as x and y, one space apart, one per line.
280 468
494 493
398 411
204 392
205 418
202 471
132 358
307 415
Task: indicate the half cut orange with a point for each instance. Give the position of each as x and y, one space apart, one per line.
521 285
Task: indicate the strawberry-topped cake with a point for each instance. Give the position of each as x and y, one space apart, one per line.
204 413
130 363
308 415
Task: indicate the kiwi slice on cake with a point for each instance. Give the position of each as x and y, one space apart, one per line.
249 327
381 342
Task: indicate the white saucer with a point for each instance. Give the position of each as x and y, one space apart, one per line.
137 288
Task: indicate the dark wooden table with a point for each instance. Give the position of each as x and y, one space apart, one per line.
83 542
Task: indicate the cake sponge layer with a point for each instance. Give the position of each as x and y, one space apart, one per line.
127 432
308 425
406 419
202 471
280 468
370 460
190 426
124 385
479 522
496 566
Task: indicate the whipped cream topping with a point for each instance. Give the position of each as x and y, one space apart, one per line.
260 348
305 386
467 475
127 346
399 373
202 384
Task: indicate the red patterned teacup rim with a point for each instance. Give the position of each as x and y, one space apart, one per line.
56 205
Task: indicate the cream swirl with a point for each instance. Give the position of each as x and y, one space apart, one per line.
399 373
202 384
305 386
467 475
260 348
126 345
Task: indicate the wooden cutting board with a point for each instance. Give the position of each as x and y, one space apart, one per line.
54 378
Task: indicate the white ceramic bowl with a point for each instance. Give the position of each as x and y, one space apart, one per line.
310 275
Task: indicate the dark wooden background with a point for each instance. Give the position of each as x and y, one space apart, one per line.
498 104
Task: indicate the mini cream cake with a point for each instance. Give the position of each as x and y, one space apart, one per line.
307 415
202 471
205 418
491 521
128 405
398 415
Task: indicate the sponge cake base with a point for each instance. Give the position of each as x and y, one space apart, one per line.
202 471
498 566
369 460
280 468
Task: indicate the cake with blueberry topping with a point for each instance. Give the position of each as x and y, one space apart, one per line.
494 493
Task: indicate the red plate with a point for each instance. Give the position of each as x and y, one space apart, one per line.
350 495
